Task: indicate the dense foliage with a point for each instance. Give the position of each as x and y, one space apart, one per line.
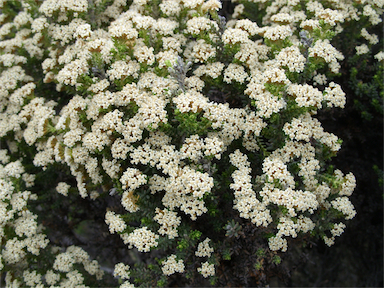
164 139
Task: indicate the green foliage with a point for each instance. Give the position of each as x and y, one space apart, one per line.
11 8
277 45
191 123
254 11
233 229
260 253
369 95
276 260
380 175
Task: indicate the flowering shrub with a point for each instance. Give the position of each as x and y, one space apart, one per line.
202 128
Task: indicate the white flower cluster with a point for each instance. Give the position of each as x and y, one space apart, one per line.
206 269
14 213
305 95
169 222
233 36
337 230
246 201
202 51
128 200
334 95
65 261
279 189
344 205
121 271
62 188
212 70
266 102
362 49
323 49
276 32
141 238
191 101
203 249
170 266
371 38
64 266
132 179
121 69
292 58
235 72
195 148
115 222
306 127
196 25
